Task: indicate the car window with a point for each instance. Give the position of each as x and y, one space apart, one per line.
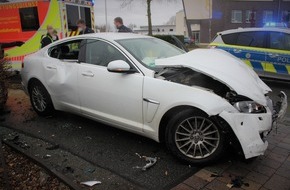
68 50
230 39
252 39
147 50
102 53
280 41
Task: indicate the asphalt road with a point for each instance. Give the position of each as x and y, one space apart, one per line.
109 148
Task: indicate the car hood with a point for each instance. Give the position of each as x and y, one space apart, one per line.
223 67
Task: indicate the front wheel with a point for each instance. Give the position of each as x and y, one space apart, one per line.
193 137
40 99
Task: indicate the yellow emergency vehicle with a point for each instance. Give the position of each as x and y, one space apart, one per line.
26 20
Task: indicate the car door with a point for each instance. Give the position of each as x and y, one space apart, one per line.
249 48
61 72
278 55
114 98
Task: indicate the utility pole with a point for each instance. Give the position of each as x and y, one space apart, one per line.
279 11
106 15
209 17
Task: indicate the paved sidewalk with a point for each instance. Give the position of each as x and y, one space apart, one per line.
268 172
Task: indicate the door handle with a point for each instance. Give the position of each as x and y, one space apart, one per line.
272 55
88 74
50 67
237 51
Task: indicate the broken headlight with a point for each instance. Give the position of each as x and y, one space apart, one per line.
249 107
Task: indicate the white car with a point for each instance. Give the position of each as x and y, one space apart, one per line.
197 102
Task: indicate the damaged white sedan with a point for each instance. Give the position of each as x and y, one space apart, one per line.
198 103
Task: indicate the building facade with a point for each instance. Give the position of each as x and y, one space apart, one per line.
218 15
157 30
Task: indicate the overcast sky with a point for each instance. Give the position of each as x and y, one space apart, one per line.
136 13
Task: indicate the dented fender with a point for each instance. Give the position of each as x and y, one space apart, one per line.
251 130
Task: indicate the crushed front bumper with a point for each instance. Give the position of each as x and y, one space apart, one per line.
251 130
280 109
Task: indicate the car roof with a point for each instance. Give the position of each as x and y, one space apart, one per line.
267 29
111 36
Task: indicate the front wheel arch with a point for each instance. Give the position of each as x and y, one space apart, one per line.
231 140
166 118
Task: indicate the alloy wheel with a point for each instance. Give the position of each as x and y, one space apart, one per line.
38 99
197 137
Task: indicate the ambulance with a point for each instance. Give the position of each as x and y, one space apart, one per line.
266 50
26 20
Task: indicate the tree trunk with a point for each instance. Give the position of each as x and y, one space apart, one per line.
149 17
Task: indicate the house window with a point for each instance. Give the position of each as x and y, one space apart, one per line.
250 16
267 16
171 30
286 16
29 18
237 16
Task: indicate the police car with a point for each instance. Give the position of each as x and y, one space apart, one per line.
266 50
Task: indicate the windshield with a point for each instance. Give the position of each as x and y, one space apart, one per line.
147 50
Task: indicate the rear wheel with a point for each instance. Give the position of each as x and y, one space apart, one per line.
40 99
193 137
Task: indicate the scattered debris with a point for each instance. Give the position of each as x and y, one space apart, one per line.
90 170
216 175
23 145
47 156
149 162
90 183
14 138
237 182
53 147
68 169
166 173
88 138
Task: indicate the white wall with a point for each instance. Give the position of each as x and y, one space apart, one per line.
198 9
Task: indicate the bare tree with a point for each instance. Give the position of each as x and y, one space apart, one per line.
132 26
103 28
126 3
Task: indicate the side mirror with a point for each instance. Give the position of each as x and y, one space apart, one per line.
119 66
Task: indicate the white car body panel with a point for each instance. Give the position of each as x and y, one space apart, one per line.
137 102
223 67
118 96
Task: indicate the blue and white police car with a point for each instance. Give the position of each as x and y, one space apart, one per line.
266 50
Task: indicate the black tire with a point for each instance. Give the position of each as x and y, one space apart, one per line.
40 99
192 152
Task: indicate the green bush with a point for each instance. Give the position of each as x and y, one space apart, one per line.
5 66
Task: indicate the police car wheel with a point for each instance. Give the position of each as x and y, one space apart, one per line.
40 99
